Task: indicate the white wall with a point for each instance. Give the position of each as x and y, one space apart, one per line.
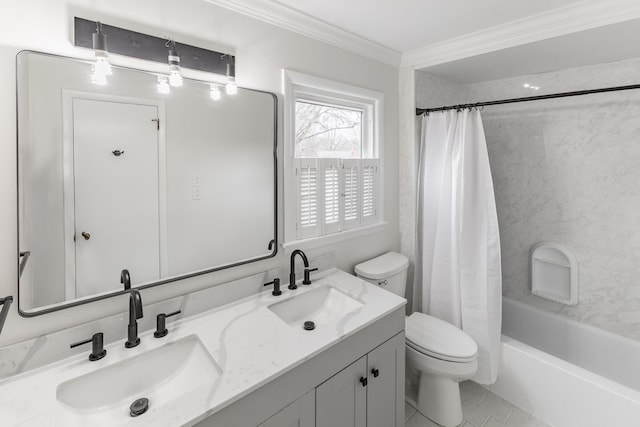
262 51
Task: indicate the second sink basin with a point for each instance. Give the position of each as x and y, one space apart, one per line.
162 375
322 306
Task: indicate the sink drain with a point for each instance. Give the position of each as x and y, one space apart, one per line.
309 325
139 407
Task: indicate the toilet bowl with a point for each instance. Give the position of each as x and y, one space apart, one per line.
440 353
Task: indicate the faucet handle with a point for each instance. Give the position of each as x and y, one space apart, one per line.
307 280
161 328
276 287
97 348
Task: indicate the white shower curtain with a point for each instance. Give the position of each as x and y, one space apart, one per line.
458 273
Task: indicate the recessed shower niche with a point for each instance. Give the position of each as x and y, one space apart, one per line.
121 176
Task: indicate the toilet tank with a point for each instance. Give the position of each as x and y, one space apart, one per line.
389 271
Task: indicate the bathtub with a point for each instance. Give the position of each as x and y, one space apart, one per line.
568 374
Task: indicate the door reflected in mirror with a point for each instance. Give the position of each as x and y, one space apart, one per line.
120 176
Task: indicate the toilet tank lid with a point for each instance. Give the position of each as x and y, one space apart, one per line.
383 266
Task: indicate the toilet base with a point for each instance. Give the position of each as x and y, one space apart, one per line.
439 400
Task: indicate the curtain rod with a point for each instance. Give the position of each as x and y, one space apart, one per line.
420 111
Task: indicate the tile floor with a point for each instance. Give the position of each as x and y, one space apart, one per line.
481 408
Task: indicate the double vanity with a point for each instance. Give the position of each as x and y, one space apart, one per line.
313 356
199 185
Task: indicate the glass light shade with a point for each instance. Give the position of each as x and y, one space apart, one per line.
102 65
231 87
214 93
98 77
175 78
163 85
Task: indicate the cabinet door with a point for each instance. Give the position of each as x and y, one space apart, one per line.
341 401
300 413
385 391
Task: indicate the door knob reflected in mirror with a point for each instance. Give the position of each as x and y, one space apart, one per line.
86 235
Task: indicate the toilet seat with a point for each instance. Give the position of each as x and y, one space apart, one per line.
439 339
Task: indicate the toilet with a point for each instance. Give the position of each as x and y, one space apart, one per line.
441 354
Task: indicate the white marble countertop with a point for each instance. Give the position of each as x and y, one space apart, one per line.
251 345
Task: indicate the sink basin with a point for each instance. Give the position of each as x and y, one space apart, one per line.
323 305
162 375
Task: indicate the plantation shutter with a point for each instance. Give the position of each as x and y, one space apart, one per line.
308 194
351 196
336 195
330 174
370 191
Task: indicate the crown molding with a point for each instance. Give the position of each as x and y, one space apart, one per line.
572 18
298 22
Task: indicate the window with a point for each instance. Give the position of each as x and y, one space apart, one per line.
332 164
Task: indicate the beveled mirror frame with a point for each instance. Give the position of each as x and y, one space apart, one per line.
74 303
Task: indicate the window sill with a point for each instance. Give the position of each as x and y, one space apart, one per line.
316 242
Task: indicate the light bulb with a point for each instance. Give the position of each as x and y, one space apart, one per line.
175 75
231 88
102 64
98 77
163 85
214 93
101 67
175 78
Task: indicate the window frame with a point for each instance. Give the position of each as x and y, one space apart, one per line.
307 88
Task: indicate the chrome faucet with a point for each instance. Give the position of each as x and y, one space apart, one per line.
135 313
125 279
292 271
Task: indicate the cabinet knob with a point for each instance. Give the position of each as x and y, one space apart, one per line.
375 372
363 381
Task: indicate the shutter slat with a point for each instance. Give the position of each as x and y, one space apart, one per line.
331 195
351 193
369 191
308 199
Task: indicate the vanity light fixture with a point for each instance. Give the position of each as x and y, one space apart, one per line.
161 49
214 92
231 88
175 76
163 85
101 67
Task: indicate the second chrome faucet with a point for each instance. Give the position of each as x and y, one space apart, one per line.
292 271
135 313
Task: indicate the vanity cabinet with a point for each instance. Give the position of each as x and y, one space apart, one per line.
328 391
369 392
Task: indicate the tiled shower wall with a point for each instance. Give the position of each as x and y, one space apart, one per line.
568 171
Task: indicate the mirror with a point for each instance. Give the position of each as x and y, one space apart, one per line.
119 176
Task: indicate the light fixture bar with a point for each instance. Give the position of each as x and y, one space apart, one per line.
150 48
